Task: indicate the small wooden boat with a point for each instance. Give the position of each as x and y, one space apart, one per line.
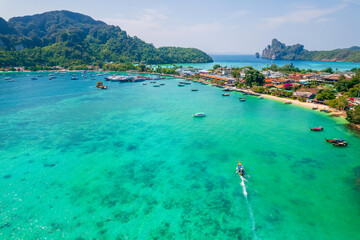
314 108
336 141
201 114
101 86
7 78
240 169
162 84
156 85
226 94
181 85
242 100
317 129
194 90
187 83
288 102
34 78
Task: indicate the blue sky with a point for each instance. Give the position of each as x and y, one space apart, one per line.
227 26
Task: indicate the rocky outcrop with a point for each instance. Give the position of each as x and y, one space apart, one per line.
279 51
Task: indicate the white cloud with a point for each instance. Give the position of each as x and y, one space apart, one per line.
304 15
240 13
148 18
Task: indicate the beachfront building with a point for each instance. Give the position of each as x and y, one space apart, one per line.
307 95
218 79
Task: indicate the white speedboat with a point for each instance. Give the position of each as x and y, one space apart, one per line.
201 114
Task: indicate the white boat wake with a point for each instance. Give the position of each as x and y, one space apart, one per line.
251 214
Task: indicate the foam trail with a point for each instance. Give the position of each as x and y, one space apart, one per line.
253 229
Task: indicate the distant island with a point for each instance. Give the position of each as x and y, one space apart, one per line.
68 38
279 51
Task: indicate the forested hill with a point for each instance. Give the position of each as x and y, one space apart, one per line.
278 50
67 38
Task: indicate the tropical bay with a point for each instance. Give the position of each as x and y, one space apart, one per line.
184 120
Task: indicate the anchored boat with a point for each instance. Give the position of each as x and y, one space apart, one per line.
317 129
201 114
337 142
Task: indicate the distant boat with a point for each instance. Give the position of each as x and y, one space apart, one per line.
52 77
201 114
337 142
74 78
288 102
34 78
317 129
181 85
226 94
242 99
144 83
162 84
156 85
153 82
314 108
7 78
261 97
194 90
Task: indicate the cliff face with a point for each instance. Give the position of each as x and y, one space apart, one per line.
279 51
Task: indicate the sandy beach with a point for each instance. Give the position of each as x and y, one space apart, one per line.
334 112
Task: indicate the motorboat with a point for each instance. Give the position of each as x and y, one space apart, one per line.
181 85
314 108
144 83
260 97
120 78
240 169
317 129
242 99
162 84
200 114
52 77
288 102
74 78
7 78
157 85
34 78
226 94
194 90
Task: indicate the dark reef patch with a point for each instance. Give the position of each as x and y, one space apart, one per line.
7 176
132 148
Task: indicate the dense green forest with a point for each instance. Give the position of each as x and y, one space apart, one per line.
278 50
66 38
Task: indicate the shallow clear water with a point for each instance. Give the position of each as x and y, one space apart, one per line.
259 63
132 163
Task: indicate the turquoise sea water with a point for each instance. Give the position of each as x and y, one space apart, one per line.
259 63
131 162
